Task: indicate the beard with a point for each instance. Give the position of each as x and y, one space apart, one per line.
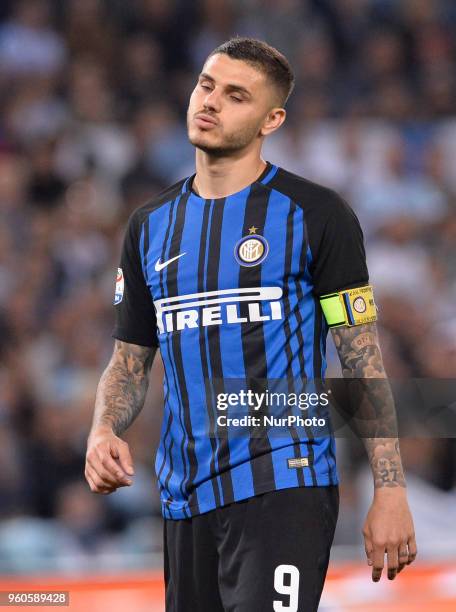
227 144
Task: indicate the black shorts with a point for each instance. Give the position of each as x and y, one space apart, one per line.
248 555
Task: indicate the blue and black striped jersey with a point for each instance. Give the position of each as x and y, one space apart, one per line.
228 289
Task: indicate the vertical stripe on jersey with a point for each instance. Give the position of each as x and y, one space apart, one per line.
190 281
231 338
144 249
313 345
177 464
172 290
287 273
253 346
304 286
275 338
173 479
203 351
284 339
166 424
296 296
305 320
213 343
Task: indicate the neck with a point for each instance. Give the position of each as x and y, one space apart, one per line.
220 177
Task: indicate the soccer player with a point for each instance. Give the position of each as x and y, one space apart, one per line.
236 273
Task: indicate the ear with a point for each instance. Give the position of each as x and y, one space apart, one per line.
273 120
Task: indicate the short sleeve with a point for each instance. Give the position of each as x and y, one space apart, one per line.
338 254
134 308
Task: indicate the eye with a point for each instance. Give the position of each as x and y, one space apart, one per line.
236 99
205 87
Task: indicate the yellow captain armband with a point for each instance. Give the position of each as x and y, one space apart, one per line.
349 307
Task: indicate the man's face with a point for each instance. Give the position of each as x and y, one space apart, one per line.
228 106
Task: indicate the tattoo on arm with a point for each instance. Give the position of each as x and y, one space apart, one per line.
385 459
123 386
372 403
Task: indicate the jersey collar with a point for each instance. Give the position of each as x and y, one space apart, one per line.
267 174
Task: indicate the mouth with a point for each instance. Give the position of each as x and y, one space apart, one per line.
205 121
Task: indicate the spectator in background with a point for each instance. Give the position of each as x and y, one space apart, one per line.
28 42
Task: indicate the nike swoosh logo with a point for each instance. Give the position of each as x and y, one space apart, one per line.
159 266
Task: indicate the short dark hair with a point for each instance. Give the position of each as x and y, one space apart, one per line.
264 57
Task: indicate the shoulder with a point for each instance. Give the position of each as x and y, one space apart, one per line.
163 197
312 197
139 215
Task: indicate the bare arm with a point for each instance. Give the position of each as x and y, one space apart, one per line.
389 526
374 414
123 386
120 397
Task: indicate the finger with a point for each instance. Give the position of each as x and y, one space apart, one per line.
122 452
113 480
99 484
379 560
106 477
116 472
105 466
403 557
392 558
369 550
94 488
95 480
412 549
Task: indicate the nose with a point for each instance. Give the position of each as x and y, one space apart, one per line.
212 101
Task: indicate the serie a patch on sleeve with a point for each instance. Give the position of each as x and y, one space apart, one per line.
120 286
350 307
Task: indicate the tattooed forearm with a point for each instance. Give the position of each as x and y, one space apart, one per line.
123 386
373 415
385 459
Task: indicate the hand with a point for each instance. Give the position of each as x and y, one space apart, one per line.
389 528
103 473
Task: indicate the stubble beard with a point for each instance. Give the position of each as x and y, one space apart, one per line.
230 144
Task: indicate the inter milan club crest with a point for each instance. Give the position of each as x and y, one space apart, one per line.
360 305
251 250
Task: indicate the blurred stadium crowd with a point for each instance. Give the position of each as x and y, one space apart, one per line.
93 98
